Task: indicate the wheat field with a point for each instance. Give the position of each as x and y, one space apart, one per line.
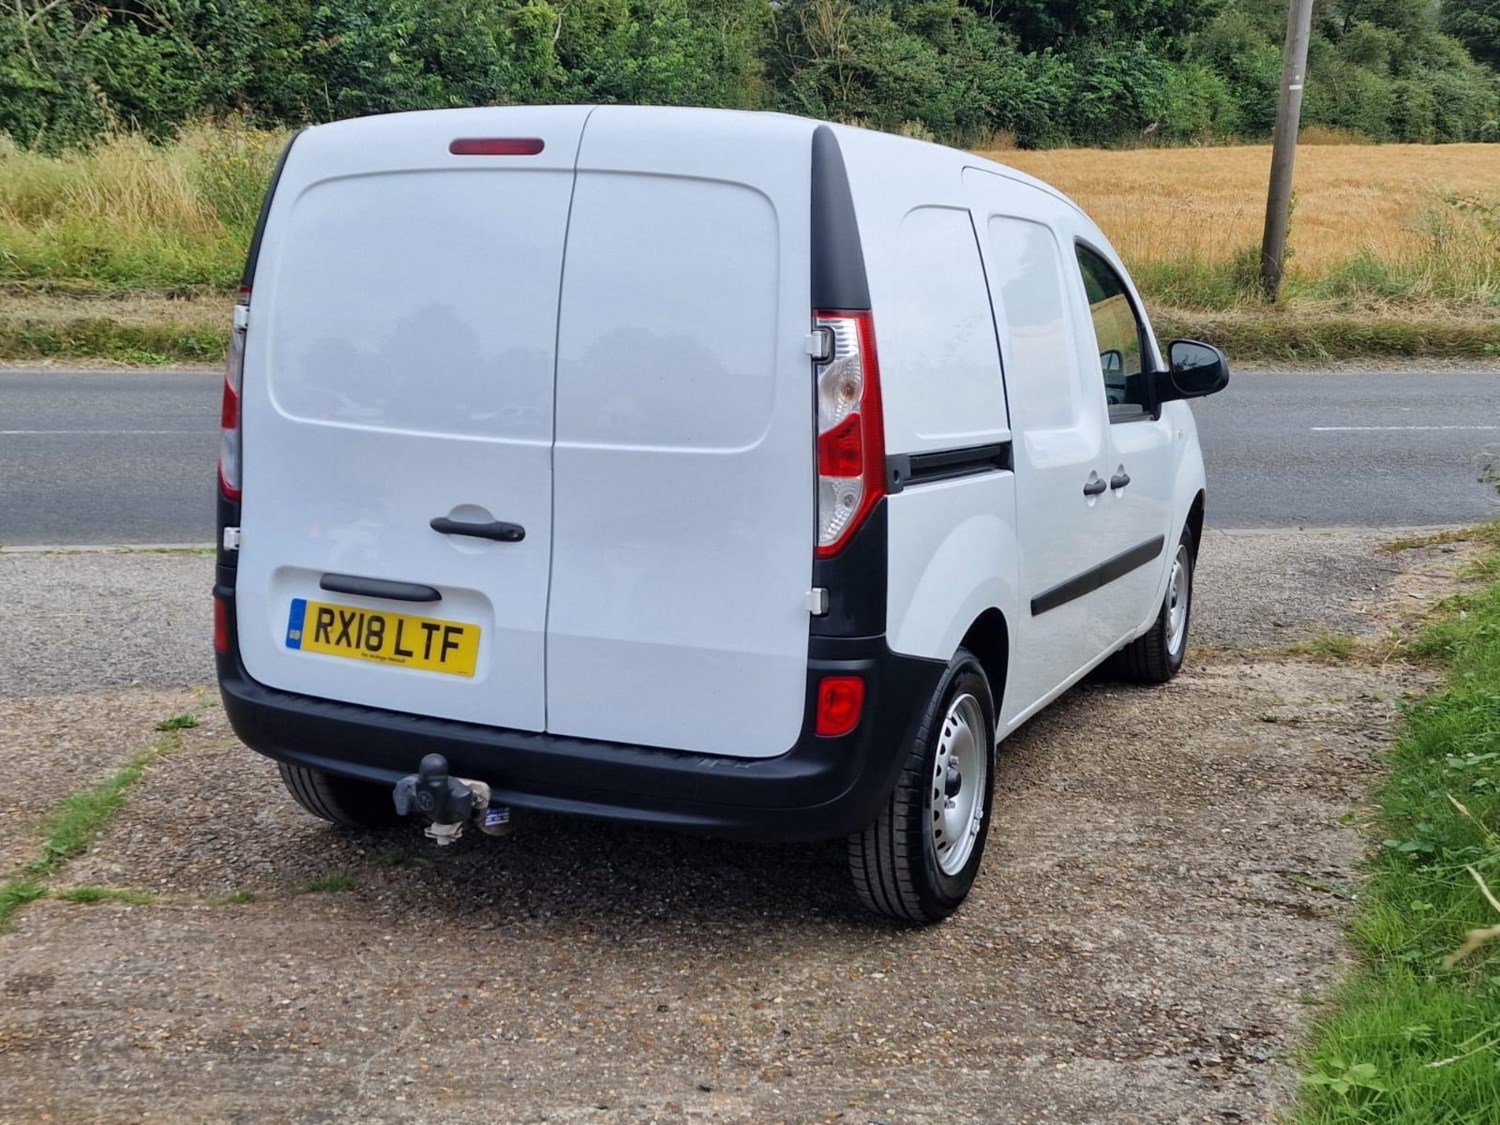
1404 220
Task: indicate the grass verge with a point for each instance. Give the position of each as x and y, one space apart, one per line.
148 345
1250 335
1415 1037
75 823
1330 334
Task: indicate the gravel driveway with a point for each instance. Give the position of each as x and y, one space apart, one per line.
1158 916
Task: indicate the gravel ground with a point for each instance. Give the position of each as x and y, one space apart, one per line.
1262 588
90 621
1158 915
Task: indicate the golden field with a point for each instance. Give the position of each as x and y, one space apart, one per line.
1427 216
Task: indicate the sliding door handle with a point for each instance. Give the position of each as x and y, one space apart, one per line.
1119 480
498 530
1095 487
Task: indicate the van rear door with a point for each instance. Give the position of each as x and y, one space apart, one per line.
399 370
684 487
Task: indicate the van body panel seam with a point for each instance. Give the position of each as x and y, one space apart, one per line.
562 275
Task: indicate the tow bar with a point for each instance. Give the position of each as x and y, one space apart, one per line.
448 803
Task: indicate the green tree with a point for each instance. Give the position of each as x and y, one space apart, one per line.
1041 24
1475 24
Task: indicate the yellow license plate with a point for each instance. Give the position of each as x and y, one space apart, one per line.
427 643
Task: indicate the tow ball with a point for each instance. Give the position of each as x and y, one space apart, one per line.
448 803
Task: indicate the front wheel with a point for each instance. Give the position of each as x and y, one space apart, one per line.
1156 656
918 860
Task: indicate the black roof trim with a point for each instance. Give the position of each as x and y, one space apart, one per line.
838 258
248 276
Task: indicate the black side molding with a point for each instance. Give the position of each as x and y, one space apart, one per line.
1101 575
905 469
838 257
378 588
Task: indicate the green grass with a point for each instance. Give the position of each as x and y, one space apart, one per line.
1381 1056
1329 334
1323 645
104 894
148 345
16 894
81 817
75 823
325 885
1247 336
184 721
1484 534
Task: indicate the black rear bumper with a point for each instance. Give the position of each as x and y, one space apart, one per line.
820 788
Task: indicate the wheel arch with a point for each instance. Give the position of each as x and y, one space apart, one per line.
988 638
1195 520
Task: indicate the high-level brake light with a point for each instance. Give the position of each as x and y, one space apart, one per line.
496 146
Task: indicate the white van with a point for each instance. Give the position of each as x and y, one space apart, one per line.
730 472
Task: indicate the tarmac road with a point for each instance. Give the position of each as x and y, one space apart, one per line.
127 457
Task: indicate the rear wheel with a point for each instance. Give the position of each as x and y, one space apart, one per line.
918 860
341 800
1157 656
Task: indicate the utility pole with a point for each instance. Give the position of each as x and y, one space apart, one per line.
1284 148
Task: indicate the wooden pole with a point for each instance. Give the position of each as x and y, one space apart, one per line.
1284 148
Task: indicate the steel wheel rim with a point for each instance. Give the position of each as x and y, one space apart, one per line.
958 782
1179 593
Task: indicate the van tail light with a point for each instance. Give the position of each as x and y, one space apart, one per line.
221 625
841 701
229 413
851 432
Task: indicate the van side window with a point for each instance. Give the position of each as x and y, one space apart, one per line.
1027 280
1120 337
939 332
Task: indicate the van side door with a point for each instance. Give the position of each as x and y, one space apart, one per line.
1059 441
1141 453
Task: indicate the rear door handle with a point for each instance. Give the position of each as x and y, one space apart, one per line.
1095 488
499 530
1119 480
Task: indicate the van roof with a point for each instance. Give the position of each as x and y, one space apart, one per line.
665 117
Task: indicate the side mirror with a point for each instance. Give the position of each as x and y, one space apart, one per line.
1196 370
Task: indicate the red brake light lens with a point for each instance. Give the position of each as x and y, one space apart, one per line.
841 451
497 146
841 701
221 626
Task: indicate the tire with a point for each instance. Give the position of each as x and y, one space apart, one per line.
913 863
1157 655
340 800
